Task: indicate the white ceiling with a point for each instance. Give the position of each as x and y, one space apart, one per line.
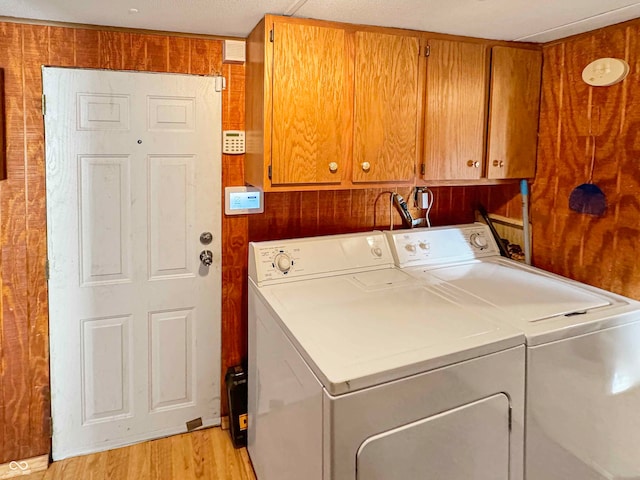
526 20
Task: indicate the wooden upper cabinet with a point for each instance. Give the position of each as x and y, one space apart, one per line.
455 110
311 124
513 112
385 107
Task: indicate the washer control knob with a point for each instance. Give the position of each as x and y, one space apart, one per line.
424 246
282 262
410 247
377 251
478 240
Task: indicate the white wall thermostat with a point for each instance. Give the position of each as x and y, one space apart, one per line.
242 200
233 142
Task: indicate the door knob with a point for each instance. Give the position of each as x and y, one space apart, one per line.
206 257
497 163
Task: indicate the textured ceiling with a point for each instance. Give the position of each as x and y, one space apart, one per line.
537 21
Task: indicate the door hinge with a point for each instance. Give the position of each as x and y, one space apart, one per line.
46 269
427 50
422 169
44 104
269 172
510 416
50 425
271 35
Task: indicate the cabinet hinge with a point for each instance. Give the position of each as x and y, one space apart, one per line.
269 172
422 169
44 104
427 50
46 269
271 35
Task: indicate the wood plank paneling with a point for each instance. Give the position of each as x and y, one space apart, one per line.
3 160
14 418
34 56
601 251
301 214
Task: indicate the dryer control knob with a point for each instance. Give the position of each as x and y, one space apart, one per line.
410 247
424 245
478 240
377 251
282 262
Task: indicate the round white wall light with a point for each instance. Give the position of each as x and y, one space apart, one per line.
605 72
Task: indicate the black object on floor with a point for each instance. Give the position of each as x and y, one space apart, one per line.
236 381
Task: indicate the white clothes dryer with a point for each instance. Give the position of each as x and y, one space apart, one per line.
356 371
583 350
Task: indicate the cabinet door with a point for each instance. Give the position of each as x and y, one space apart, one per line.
513 112
386 107
455 110
311 125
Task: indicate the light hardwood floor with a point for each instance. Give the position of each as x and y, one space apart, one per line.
204 454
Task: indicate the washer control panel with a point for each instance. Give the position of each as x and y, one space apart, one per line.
282 260
426 246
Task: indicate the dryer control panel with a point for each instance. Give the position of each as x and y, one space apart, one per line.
286 260
433 246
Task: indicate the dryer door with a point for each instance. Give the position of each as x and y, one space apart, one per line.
471 441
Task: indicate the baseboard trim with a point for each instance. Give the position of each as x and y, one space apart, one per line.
224 422
18 468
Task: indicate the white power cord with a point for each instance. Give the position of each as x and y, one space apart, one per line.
430 197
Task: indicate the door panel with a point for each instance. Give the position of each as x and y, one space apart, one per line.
513 113
455 110
471 441
386 107
105 218
311 113
133 179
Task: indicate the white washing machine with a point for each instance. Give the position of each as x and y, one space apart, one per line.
358 372
583 350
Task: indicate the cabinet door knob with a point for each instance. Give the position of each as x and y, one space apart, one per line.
366 166
497 163
333 167
471 163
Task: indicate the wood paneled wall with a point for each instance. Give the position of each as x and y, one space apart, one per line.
301 214
24 367
601 251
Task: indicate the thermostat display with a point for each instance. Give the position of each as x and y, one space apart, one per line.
242 200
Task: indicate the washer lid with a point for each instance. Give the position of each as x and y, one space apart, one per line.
363 329
524 295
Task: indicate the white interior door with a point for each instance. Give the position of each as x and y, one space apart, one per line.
133 180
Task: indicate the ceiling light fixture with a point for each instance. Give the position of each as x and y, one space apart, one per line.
604 72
